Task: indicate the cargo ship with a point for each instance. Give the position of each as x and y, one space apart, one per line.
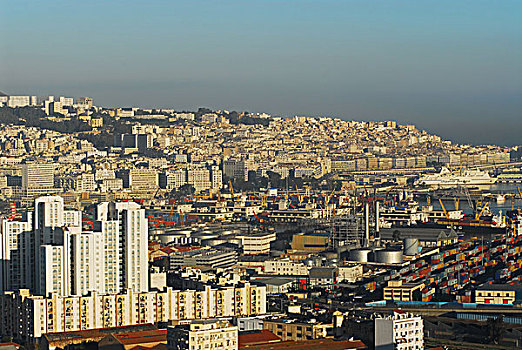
448 178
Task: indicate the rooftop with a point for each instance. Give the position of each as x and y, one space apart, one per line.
257 337
148 336
317 344
96 333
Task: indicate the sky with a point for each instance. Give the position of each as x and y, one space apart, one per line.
453 68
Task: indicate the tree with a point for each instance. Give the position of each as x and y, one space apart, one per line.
496 329
183 192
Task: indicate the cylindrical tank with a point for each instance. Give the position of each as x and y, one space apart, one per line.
167 238
330 255
213 242
360 255
204 236
411 246
388 256
372 256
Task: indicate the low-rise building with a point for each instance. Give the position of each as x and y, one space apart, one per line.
399 291
203 257
285 267
131 340
292 330
497 294
400 331
204 334
349 273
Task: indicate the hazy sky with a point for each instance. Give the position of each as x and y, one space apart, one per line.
451 67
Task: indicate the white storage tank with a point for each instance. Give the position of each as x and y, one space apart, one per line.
411 246
360 255
388 256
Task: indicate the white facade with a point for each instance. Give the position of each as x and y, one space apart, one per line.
37 179
285 267
20 101
11 251
133 238
400 331
350 273
255 244
217 178
55 256
52 276
85 183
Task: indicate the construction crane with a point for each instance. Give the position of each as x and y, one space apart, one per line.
444 208
457 201
479 214
231 190
181 218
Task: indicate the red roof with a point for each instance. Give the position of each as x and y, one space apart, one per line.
184 248
155 347
167 250
141 337
261 337
317 344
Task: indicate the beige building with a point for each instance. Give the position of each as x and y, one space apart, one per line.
204 334
349 273
199 178
399 291
311 243
497 294
258 243
296 331
28 317
143 179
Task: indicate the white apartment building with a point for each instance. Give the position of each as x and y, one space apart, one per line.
51 254
21 101
203 334
88 262
400 331
85 183
216 178
28 317
174 179
104 174
133 239
11 251
111 185
54 269
285 267
37 179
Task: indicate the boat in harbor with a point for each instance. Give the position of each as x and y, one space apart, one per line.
448 178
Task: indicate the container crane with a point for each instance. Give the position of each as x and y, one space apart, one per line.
444 208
